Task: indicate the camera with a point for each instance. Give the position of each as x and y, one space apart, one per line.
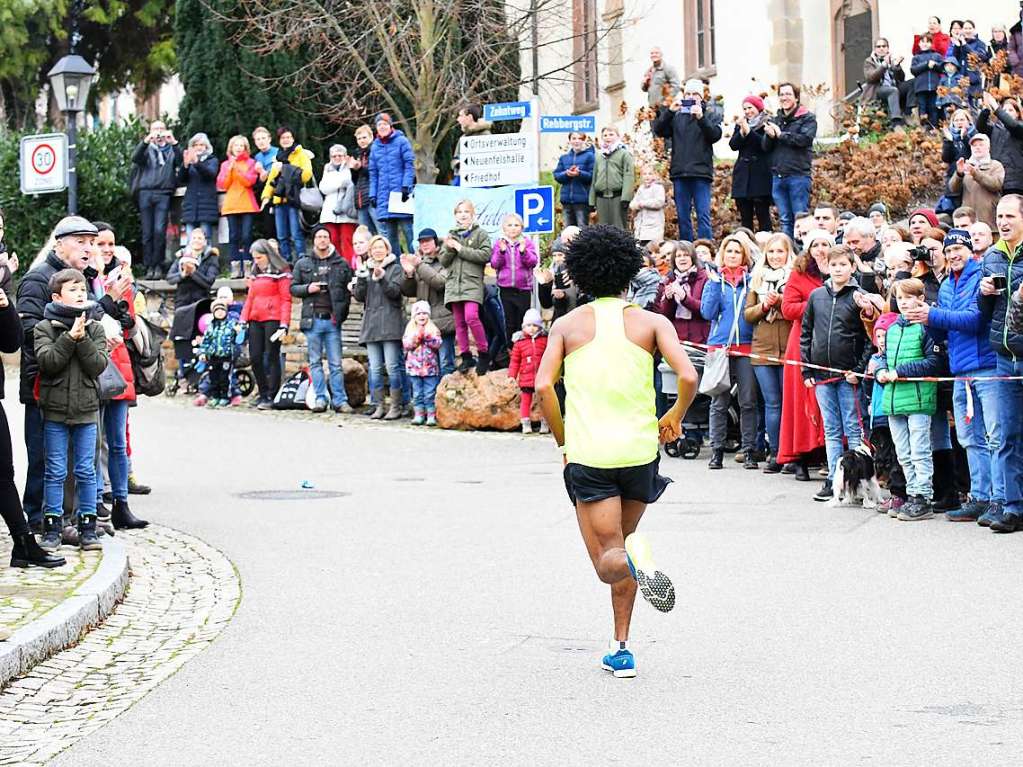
921 253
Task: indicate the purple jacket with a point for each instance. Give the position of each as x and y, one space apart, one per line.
515 264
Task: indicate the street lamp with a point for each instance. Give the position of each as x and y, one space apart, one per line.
70 79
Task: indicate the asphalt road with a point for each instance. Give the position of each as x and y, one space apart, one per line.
443 611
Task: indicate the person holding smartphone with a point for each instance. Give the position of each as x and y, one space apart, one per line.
157 158
575 172
1002 270
693 128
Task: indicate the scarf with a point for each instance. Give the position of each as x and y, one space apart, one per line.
608 151
383 265
733 275
66 315
759 121
682 312
159 153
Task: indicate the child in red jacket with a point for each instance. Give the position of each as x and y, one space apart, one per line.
525 361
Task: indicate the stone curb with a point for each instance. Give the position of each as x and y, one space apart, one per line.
65 624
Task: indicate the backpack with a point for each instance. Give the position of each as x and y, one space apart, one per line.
288 185
297 393
146 354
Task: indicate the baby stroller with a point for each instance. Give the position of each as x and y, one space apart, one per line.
185 336
696 421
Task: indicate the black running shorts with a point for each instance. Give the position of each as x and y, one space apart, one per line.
632 483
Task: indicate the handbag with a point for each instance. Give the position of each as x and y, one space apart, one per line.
310 199
716 379
110 383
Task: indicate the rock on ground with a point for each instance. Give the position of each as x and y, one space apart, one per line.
471 402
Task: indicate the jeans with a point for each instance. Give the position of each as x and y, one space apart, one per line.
888 95
33 497
690 191
741 371
912 437
207 228
769 378
115 432
1010 418
424 390
941 434
383 354
447 354
390 227
927 107
575 214
791 195
82 438
154 207
324 338
288 223
368 219
837 402
980 437
239 228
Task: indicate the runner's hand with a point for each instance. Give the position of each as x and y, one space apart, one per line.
669 428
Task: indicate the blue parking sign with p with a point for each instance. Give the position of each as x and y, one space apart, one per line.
536 206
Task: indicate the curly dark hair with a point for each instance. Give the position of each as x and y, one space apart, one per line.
602 260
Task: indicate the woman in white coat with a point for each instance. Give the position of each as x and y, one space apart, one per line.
648 208
338 213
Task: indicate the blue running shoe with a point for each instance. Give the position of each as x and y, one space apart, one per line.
622 664
656 587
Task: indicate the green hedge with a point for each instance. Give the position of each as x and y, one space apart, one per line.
104 166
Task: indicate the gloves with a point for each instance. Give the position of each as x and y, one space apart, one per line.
278 334
406 192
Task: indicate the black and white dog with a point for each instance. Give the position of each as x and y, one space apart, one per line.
855 479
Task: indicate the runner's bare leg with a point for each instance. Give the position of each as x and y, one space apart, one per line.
604 526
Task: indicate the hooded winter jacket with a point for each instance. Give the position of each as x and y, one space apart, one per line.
299 158
613 175
722 303
793 149
68 369
514 264
195 286
427 284
575 190
33 296
157 174
465 267
998 260
392 168
383 315
200 205
958 315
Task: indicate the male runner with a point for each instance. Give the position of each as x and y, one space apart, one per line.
610 435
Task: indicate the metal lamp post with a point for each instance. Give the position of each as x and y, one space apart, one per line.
70 80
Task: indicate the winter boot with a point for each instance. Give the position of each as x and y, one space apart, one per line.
527 426
124 519
104 525
395 412
52 525
483 363
137 488
27 553
87 538
716 459
420 418
465 364
378 402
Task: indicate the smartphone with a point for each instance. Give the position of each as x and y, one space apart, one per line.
1001 282
113 276
686 105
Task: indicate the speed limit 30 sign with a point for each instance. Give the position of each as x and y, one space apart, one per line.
43 163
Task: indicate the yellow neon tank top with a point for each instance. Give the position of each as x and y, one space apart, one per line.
611 417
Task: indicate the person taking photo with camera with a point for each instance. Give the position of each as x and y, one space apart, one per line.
157 160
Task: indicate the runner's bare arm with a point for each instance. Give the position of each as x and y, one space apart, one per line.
667 343
546 376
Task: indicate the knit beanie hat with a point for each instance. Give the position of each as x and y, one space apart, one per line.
927 213
755 101
225 294
878 207
532 317
421 307
884 322
958 237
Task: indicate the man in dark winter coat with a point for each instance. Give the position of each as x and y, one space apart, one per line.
790 135
73 247
693 127
157 159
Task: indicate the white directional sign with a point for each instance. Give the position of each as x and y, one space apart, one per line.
43 163
499 160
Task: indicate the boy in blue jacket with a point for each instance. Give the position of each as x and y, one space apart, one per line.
574 173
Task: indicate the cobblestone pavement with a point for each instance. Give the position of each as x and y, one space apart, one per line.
181 594
27 593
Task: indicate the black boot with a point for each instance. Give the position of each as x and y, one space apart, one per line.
946 496
28 553
52 526
465 365
483 363
123 518
716 459
802 471
87 538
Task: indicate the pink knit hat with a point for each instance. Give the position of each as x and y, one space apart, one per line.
884 322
